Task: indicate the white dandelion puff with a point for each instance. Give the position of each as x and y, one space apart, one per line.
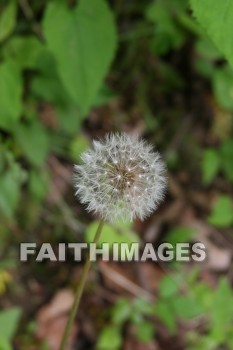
120 178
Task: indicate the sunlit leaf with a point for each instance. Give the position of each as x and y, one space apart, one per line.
110 339
8 322
216 18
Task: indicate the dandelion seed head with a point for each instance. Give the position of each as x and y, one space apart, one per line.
121 177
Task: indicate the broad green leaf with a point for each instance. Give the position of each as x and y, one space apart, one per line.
8 19
110 339
83 45
9 320
11 92
4 344
223 87
216 18
222 213
34 142
210 165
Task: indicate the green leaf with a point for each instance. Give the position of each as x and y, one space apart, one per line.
78 145
26 51
205 47
34 142
222 213
145 331
9 320
222 311
8 20
216 18
10 91
10 184
165 313
223 87
186 307
38 184
110 234
69 117
168 287
83 45
121 311
180 234
141 306
168 34
48 85
110 339
5 344
203 294
210 165
226 152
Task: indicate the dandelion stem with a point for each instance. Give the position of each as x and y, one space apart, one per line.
79 291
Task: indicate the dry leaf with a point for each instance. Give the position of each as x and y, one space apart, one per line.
52 318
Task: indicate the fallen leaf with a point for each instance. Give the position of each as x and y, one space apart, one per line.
52 318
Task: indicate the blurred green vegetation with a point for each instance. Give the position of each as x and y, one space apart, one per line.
70 71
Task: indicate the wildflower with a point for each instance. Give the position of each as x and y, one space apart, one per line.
120 178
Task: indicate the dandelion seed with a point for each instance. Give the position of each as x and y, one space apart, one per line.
124 167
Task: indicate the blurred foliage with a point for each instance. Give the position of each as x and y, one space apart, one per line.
9 321
222 213
215 160
218 27
73 70
171 308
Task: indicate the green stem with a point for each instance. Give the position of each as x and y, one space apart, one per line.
79 291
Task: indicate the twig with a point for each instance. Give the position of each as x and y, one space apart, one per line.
128 285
